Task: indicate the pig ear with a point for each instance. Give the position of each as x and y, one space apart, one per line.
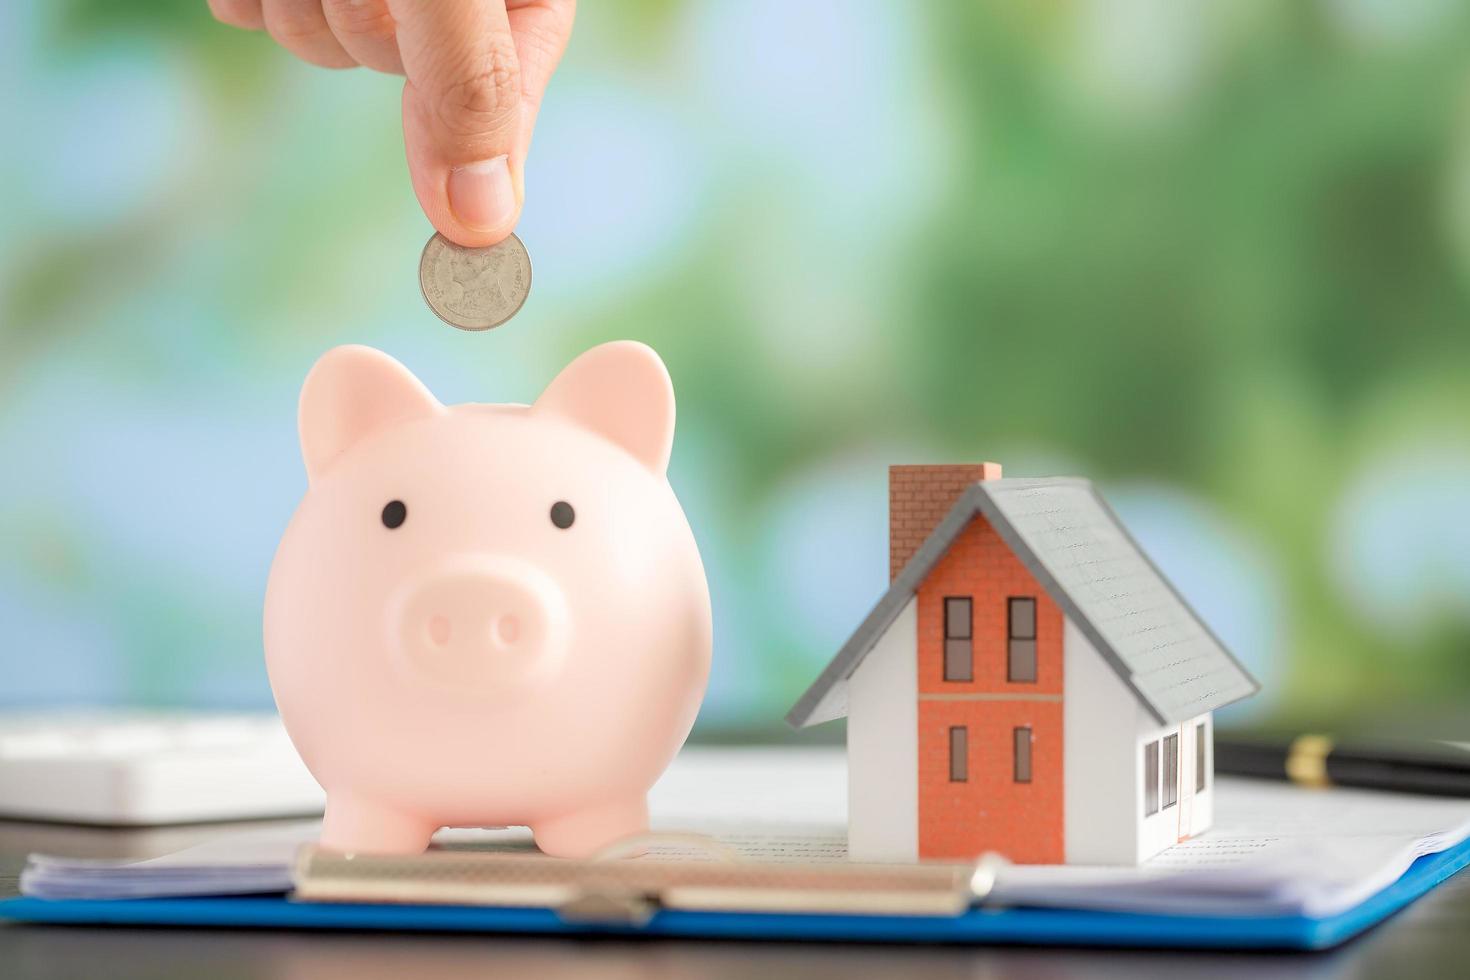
350 393
622 392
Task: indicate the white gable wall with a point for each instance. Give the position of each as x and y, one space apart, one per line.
883 746
1099 729
1106 729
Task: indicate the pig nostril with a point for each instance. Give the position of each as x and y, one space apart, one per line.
507 629
439 630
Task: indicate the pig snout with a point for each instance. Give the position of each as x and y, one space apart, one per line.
482 624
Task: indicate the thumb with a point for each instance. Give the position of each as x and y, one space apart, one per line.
462 115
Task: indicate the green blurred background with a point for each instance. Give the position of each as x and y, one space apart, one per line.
1213 255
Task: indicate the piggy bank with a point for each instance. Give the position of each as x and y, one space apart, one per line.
487 615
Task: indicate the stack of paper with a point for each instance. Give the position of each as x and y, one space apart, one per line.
249 863
1275 850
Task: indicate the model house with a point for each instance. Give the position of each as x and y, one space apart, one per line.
1030 684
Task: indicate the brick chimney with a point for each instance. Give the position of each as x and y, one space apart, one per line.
918 499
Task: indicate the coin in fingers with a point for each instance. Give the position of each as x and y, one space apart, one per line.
475 288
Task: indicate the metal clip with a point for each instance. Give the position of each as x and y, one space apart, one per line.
609 908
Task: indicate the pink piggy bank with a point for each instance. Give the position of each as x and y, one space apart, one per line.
487 615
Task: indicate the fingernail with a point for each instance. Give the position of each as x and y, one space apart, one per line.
481 194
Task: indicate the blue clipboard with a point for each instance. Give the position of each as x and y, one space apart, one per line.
1028 926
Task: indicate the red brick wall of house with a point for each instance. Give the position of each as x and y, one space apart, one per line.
990 811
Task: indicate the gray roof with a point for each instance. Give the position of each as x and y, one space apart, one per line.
1075 546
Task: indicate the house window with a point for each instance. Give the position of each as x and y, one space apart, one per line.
1150 779
958 645
1022 737
1021 630
1201 752
1171 770
959 754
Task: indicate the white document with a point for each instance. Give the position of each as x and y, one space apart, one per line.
1276 849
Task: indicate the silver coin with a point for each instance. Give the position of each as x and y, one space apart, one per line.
475 288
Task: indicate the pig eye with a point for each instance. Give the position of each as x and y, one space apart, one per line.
562 514
394 514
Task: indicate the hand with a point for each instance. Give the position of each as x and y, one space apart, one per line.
476 73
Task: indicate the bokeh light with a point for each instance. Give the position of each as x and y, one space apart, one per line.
1213 256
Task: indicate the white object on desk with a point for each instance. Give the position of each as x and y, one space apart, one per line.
142 768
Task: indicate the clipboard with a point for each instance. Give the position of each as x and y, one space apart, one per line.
978 925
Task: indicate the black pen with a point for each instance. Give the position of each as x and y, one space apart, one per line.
1435 768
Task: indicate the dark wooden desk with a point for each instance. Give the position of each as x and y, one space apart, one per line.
1430 939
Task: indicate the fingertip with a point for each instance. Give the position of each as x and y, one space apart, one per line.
475 204
244 14
472 225
482 197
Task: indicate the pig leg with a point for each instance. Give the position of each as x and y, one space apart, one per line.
354 824
585 832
